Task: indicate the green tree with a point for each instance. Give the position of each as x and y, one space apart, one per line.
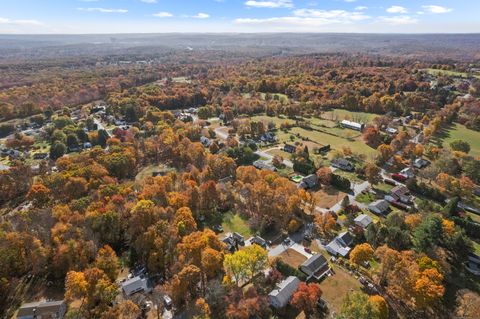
460 145
57 150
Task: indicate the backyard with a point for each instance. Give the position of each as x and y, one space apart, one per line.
234 223
328 197
336 287
292 258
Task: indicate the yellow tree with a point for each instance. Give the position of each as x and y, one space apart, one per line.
379 306
107 261
361 254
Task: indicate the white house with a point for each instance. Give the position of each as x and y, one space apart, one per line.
135 284
281 295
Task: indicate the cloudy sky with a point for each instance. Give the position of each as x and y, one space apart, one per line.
148 16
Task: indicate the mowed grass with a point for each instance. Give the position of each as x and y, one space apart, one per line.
234 223
460 132
341 114
450 73
335 142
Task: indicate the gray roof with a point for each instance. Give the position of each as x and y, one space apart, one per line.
284 291
313 264
134 285
363 220
340 244
380 205
42 308
310 181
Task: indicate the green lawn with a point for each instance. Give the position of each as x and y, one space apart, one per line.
341 114
352 177
336 142
234 223
450 73
460 132
365 198
384 187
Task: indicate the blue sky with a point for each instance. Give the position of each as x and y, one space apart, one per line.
148 16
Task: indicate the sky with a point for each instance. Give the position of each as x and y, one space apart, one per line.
161 16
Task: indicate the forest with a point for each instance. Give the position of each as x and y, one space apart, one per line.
153 165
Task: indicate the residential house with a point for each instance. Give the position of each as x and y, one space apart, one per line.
391 130
343 164
289 148
379 207
205 141
42 310
352 125
363 220
230 243
315 267
264 165
281 295
340 245
420 163
40 156
135 284
259 241
401 194
408 172
473 264
268 137
310 181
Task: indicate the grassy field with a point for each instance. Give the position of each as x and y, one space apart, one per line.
328 196
450 73
281 97
341 114
336 142
460 132
292 258
234 223
336 287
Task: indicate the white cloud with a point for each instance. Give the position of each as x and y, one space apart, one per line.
436 9
269 3
21 22
398 20
163 14
361 8
308 18
149 1
397 9
103 10
201 15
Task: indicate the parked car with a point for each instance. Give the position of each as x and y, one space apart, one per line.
167 301
399 177
217 228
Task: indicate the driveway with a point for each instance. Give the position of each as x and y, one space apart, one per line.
264 153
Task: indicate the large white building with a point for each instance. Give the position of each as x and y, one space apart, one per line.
352 125
281 295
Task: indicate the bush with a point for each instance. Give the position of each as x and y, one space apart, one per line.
340 182
288 270
6 129
306 168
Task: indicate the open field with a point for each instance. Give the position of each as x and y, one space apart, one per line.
336 142
328 196
336 287
279 96
460 132
234 223
341 114
450 73
149 170
292 257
